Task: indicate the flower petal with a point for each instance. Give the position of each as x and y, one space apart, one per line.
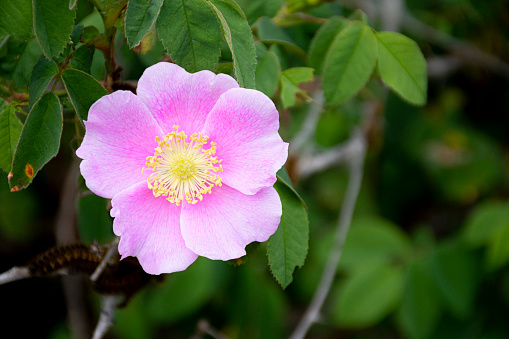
120 136
176 97
220 226
244 123
150 230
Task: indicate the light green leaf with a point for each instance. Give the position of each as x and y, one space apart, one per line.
25 64
16 18
498 250
190 33
10 129
402 66
39 141
485 222
43 73
368 296
455 272
83 90
322 41
53 24
349 62
290 80
267 74
139 17
239 38
288 246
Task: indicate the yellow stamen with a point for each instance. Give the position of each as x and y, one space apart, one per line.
183 170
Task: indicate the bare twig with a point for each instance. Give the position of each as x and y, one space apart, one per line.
15 273
355 169
204 328
109 304
100 268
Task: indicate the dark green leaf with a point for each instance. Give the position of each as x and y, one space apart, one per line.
498 251
82 58
39 141
94 221
72 4
53 24
10 129
190 33
322 41
16 18
77 31
288 246
239 38
83 90
271 33
139 17
349 62
267 74
25 64
89 33
290 80
403 67
43 73
368 296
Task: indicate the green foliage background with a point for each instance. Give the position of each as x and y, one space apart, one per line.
428 250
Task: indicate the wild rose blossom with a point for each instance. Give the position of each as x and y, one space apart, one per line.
189 163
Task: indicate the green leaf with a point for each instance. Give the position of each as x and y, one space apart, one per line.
82 58
349 62
43 73
16 18
94 221
269 32
373 240
288 246
421 305
290 80
10 129
53 24
239 38
498 251
190 33
139 17
267 74
485 222
368 296
322 41
83 90
402 66
39 141
25 64
455 272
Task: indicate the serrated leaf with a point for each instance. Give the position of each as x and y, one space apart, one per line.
402 66
368 296
239 38
43 73
290 80
25 64
349 62
16 18
288 246
267 74
39 141
53 24
72 4
82 58
322 41
190 33
83 90
10 129
139 17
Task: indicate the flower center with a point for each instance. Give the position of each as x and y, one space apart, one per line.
183 170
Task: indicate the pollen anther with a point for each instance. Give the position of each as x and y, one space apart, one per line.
182 169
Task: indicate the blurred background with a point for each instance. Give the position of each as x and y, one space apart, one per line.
428 251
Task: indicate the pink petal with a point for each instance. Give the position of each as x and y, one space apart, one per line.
220 226
244 123
176 97
150 230
120 136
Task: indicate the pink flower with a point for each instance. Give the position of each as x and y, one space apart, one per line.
189 163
